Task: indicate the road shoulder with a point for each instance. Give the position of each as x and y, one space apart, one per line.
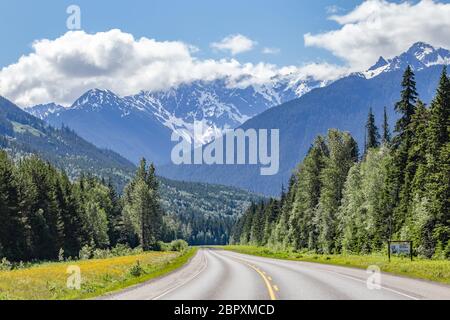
160 286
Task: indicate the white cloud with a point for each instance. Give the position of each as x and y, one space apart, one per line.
322 71
380 28
61 70
235 44
271 50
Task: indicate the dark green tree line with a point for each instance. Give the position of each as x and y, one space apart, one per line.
400 189
44 215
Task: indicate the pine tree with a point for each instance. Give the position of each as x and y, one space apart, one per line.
143 216
70 216
386 130
153 220
402 143
37 186
438 127
115 218
280 238
372 132
302 232
271 216
257 228
247 223
417 155
438 167
12 244
406 108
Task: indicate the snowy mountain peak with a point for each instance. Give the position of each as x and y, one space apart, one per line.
216 104
380 63
419 56
98 99
43 111
224 103
420 50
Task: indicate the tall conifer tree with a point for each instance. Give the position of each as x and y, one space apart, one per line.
372 133
386 130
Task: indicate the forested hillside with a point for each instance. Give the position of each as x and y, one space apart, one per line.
399 188
203 213
22 135
199 213
45 216
342 105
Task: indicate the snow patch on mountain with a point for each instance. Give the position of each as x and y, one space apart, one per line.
226 104
217 105
43 111
419 57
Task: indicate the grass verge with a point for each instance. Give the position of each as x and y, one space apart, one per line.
99 277
433 270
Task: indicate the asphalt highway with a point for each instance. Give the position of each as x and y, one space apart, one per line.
223 275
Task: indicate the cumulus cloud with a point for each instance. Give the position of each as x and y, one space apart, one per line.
235 44
380 28
61 70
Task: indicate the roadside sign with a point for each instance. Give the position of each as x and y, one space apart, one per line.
403 248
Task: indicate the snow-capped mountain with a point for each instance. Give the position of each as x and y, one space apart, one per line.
343 105
216 104
111 122
43 111
419 57
141 124
97 99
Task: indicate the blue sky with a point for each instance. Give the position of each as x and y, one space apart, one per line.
134 45
280 24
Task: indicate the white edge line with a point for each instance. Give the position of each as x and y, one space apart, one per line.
359 280
382 287
184 283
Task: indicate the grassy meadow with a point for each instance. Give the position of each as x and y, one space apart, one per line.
49 281
434 270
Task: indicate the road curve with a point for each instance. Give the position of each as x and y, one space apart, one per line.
223 275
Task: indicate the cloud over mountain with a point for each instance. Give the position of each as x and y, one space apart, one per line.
61 70
380 28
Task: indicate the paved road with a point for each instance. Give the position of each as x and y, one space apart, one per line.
222 275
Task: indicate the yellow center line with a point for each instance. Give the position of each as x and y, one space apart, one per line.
266 281
262 274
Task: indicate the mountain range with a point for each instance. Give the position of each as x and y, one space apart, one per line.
141 125
21 135
343 104
205 212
